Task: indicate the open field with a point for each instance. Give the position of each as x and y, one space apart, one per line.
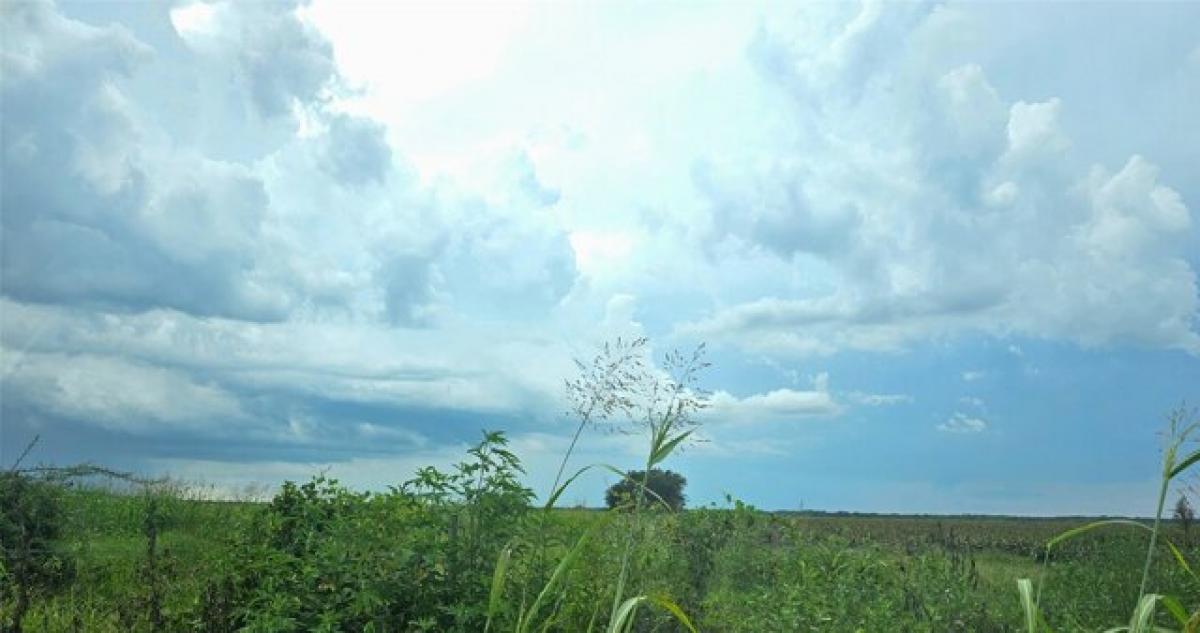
694 268
320 557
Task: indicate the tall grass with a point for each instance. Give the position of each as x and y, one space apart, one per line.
1182 427
661 402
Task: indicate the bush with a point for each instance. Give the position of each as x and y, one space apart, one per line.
30 522
323 558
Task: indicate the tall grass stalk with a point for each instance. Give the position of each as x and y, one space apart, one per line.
1180 431
668 405
616 382
601 391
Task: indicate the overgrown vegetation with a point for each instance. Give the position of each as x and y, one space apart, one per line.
466 549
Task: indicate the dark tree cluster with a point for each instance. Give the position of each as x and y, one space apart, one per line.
667 485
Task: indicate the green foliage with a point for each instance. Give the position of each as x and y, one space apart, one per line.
665 484
322 557
30 565
383 562
462 549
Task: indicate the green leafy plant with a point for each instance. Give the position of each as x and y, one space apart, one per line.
31 519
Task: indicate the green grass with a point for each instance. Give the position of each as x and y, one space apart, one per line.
726 569
463 550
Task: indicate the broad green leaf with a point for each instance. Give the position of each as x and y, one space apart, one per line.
562 488
1028 606
623 620
672 608
1176 609
1184 464
662 452
624 615
1181 560
497 585
1143 615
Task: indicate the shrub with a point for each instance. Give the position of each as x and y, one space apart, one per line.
30 521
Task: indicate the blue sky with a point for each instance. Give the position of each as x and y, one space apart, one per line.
944 256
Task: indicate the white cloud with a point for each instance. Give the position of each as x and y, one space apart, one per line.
275 55
194 20
973 375
118 394
298 214
466 370
597 252
431 48
776 405
1034 129
967 213
963 423
881 399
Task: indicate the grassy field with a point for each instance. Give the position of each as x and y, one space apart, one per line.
319 557
468 549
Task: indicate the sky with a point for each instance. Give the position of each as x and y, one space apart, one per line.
943 256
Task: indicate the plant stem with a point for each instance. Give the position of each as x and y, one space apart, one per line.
540 552
587 415
629 538
658 434
1162 496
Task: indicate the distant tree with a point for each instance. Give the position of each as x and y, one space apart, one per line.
1185 515
666 484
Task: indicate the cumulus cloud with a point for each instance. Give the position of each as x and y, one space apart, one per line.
357 151
99 208
259 263
147 216
776 405
925 205
197 200
1033 130
276 57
